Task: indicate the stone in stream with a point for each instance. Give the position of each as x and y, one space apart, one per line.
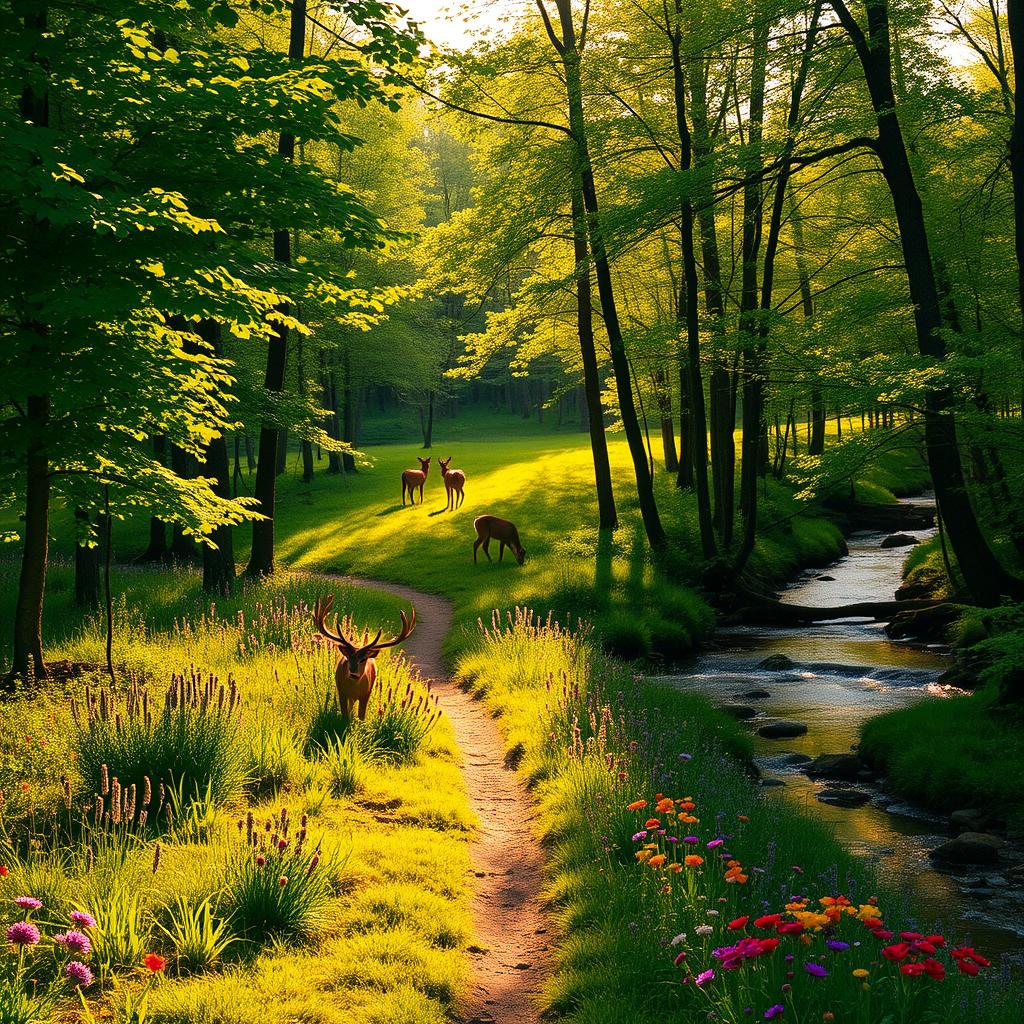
741 712
845 767
898 540
969 820
755 694
844 797
970 848
783 729
826 579
777 663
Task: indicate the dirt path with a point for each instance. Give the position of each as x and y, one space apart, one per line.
512 959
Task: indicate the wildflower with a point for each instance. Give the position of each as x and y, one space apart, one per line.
704 977
4 871
74 942
768 921
715 842
652 823
680 957
692 840
816 970
78 974
742 817
636 805
28 903
676 868
739 923
712 913
154 963
836 946
686 757
706 929
282 881
637 836
828 1015
681 937
790 928
897 952
773 1011
23 933
82 919
693 861
657 860
860 972
260 860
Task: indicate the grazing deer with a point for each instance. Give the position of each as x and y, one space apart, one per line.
454 481
357 666
490 528
413 478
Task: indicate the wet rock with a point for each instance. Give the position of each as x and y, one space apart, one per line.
793 759
898 540
970 848
741 712
845 767
978 892
844 797
755 694
826 579
969 820
770 783
923 623
777 663
783 729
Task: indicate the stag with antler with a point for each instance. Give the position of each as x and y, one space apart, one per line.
357 667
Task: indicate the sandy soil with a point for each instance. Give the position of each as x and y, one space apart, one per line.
511 956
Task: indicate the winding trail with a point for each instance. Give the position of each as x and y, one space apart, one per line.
512 959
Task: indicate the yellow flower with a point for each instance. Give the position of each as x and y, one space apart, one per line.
642 855
675 867
860 972
866 987
866 910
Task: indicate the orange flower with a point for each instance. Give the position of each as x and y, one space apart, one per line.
693 861
657 860
742 817
636 805
642 855
675 867
665 806
689 819
687 804
652 823
154 963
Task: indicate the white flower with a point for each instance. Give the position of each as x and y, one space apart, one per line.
704 929
712 913
681 937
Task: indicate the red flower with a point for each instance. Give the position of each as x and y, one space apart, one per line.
767 945
936 940
652 823
898 951
967 967
912 970
933 969
768 921
790 928
4 871
739 923
966 954
154 963
881 934
911 936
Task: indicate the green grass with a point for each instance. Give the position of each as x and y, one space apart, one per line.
607 739
384 938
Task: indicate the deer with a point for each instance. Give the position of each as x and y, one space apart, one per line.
454 481
490 528
413 478
356 671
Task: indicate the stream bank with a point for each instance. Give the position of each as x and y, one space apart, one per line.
806 692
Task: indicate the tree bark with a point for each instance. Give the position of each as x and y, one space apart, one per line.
156 550
87 570
607 517
261 558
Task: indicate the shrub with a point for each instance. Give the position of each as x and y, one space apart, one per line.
190 744
669 640
198 939
272 760
121 935
275 885
344 761
625 636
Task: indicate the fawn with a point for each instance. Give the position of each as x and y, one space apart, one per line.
413 478
454 481
356 671
491 527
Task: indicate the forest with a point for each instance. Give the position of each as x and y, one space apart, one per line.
512 513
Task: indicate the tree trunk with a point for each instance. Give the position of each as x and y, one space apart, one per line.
584 175
593 411
261 558
156 550
984 576
87 569
183 548
332 426
348 414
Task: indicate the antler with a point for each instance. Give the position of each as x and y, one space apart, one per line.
407 627
320 613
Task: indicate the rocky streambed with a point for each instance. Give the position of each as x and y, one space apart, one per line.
805 693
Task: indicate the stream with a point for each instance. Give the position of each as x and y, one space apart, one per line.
844 673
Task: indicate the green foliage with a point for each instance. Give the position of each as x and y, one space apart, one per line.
190 745
123 928
198 939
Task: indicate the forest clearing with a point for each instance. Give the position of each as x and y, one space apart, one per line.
512 514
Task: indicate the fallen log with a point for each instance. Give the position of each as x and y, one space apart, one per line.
775 613
887 518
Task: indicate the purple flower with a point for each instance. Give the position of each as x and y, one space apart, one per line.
691 839
28 903
686 757
78 974
816 969
715 842
672 839
23 933
638 836
82 919
704 977
773 1011
74 942
836 946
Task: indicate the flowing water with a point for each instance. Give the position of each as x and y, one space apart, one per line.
844 673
